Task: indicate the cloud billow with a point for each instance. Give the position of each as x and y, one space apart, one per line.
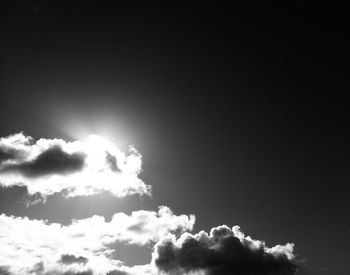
48 166
90 246
84 245
224 251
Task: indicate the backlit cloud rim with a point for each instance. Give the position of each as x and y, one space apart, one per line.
48 166
90 246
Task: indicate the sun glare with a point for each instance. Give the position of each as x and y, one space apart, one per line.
103 167
97 144
97 148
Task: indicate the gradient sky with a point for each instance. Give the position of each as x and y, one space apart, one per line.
240 113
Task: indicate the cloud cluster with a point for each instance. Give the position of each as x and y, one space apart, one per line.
224 251
48 166
29 246
90 246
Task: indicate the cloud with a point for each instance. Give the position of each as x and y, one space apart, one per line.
88 272
224 251
48 166
4 270
51 161
12 147
7 154
70 259
85 245
90 246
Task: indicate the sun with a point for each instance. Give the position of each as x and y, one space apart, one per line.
98 143
99 147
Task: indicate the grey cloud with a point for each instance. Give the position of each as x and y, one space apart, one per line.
10 154
88 272
49 166
117 272
139 227
223 252
112 162
6 155
4 270
38 268
33 199
51 161
71 259
70 272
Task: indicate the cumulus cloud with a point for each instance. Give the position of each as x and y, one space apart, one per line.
48 166
224 251
27 246
90 246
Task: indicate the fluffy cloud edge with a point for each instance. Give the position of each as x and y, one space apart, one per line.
49 166
223 251
30 246
86 246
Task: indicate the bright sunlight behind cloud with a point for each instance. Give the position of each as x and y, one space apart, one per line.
91 246
48 166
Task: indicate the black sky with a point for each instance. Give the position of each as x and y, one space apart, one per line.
240 112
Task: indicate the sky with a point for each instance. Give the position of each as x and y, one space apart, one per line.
174 138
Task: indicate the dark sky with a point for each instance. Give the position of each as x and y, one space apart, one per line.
240 112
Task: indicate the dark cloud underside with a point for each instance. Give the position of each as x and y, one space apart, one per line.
117 272
4 270
88 272
52 161
8 154
70 259
112 162
221 254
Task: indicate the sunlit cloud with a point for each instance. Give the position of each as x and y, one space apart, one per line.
84 245
48 166
90 246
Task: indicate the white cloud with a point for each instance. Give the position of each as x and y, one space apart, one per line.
48 166
89 246
84 245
